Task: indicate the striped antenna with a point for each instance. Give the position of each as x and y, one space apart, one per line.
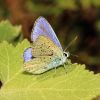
71 43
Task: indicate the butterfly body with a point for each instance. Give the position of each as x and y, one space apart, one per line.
45 52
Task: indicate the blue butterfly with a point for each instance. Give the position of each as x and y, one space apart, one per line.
46 51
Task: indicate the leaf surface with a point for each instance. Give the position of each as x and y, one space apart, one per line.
77 84
8 32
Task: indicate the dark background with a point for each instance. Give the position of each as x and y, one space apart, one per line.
69 18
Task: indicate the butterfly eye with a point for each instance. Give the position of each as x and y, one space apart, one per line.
66 54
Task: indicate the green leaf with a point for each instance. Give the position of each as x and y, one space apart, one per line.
86 4
67 4
96 3
41 9
77 84
8 32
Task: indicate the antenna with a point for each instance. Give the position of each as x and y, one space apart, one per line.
71 43
74 55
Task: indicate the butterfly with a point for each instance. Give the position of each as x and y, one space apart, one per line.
46 51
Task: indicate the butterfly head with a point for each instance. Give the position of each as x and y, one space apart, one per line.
66 54
64 58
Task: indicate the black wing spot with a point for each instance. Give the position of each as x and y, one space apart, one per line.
33 57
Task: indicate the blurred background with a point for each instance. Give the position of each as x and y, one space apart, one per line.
69 18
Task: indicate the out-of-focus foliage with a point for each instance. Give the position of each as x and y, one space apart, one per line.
9 32
67 4
57 6
98 26
3 10
42 8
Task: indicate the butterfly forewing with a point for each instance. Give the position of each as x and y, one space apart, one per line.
43 46
27 54
42 27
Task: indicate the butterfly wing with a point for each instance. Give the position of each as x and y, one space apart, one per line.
43 46
46 56
27 54
40 47
42 27
38 65
46 49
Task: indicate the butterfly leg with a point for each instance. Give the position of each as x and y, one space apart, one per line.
55 71
65 69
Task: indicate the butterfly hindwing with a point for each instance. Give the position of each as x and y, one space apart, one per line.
38 65
27 54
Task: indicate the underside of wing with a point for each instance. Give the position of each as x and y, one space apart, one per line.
42 27
27 55
38 65
42 64
43 46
